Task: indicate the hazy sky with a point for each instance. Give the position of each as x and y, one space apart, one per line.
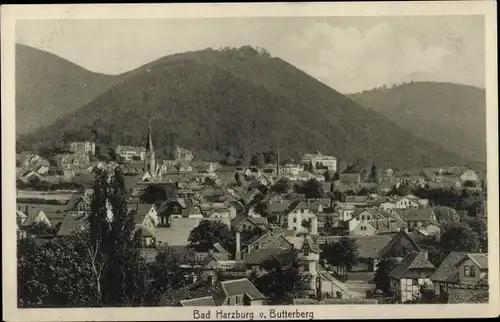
349 54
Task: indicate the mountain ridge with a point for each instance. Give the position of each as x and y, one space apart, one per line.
448 114
235 102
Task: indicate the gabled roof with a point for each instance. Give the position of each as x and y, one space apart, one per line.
258 221
415 260
368 246
448 270
481 259
394 239
72 222
414 214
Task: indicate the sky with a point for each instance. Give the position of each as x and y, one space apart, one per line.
349 54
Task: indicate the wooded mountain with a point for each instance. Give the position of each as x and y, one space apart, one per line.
451 115
237 102
48 87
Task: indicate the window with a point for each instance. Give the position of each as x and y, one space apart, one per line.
302 210
294 220
238 300
472 272
363 227
466 271
414 281
362 217
175 209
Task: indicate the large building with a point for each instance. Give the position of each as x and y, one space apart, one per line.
319 160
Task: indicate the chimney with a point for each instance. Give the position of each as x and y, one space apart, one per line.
237 255
137 206
26 210
19 208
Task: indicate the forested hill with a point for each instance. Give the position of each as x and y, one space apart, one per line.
49 87
237 102
451 115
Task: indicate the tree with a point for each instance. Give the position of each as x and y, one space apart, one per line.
54 274
166 272
306 223
153 194
328 227
457 236
282 186
113 247
281 283
342 254
381 278
204 236
446 215
312 189
239 179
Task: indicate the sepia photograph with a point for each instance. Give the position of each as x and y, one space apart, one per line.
286 163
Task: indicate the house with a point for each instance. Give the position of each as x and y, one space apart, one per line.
79 203
82 147
148 210
300 212
179 208
219 210
362 216
352 174
420 219
371 249
177 233
73 222
413 272
407 202
207 291
318 160
272 239
345 211
305 176
462 277
290 169
146 226
183 155
469 176
129 153
36 216
277 209
249 224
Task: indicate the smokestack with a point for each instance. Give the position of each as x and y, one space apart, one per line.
237 255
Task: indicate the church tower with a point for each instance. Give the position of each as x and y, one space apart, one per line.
149 157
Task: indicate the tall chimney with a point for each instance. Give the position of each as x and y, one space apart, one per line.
237 255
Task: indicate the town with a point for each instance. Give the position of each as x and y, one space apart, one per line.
271 232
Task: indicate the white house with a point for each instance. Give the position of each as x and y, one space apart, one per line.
469 175
300 211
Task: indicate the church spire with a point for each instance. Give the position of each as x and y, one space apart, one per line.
149 143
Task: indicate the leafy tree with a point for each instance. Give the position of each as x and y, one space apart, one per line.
282 186
153 194
328 227
446 214
281 283
381 278
239 179
306 223
457 236
113 249
54 274
342 254
311 189
166 272
204 236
